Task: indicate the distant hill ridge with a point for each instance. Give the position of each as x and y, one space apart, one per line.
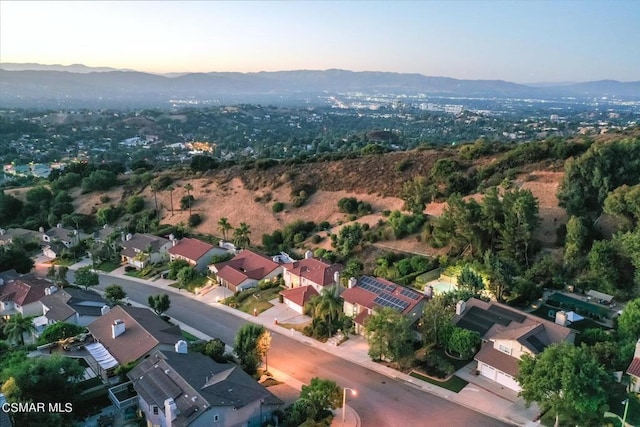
22 84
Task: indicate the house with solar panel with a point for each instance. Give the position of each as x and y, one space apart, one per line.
507 334
367 293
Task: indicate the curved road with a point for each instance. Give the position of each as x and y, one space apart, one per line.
381 401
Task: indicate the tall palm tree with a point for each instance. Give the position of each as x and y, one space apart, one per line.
17 326
241 235
329 307
188 187
224 227
170 190
155 187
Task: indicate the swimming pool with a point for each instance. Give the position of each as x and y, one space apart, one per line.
441 287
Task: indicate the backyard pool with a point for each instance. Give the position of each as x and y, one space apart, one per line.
441 287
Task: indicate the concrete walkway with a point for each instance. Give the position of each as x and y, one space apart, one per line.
480 394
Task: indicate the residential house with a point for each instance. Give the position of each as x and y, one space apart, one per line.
71 305
66 236
176 388
23 294
196 252
103 234
126 334
297 298
245 270
634 370
366 294
9 235
507 335
311 272
140 249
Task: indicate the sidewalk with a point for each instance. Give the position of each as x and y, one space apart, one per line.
480 394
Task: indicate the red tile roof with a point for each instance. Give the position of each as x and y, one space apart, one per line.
314 270
359 296
192 249
361 317
24 290
231 275
634 367
300 295
247 263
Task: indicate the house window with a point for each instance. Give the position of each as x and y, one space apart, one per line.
154 410
504 349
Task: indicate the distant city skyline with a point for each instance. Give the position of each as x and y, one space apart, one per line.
518 41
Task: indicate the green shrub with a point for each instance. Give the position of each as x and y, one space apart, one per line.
277 207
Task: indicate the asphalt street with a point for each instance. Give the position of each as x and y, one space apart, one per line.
381 401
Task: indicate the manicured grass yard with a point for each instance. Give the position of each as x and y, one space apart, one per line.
196 283
454 383
189 337
108 266
259 300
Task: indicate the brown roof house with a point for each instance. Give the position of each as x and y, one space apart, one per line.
245 270
366 294
140 249
23 294
59 238
71 305
196 252
176 388
126 334
634 369
507 334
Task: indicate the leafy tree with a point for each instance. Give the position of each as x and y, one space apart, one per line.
186 202
437 313
246 346
99 180
34 379
389 335
194 220
416 194
629 320
349 238
134 204
59 331
262 347
114 293
624 202
603 267
175 266
470 280
15 257
463 342
17 326
575 242
159 303
202 163
566 380
224 227
353 268
85 276
321 396
185 275
501 272
520 209
10 208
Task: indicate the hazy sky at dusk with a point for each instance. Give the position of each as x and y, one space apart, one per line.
521 41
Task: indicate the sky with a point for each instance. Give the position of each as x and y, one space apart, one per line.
522 41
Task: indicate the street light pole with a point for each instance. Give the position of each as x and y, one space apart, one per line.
344 401
626 408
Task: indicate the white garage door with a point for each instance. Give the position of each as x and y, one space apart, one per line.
488 371
507 381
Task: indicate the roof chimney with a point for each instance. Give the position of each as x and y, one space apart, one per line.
308 255
117 328
352 282
561 318
460 307
336 277
50 290
104 310
181 347
170 411
428 291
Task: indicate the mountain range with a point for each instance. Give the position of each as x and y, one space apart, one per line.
37 85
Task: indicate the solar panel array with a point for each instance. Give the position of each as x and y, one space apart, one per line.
479 320
536 343
386 300
372 285
410 293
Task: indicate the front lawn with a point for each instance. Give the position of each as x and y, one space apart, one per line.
454 383
192 286
253 299
108 266
190 338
